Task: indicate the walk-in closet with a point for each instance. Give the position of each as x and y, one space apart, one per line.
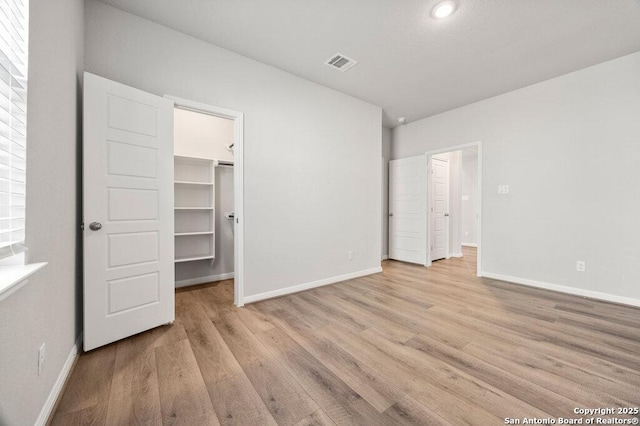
203 197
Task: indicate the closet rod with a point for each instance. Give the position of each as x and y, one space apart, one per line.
217 163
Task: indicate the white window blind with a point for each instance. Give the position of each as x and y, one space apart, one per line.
14 22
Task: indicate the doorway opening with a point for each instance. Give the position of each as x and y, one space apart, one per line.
208 196
454 182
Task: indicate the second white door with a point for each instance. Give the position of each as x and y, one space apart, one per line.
408 209
439 208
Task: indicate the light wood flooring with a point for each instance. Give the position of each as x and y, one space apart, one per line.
410 345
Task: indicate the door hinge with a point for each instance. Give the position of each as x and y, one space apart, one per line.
82 226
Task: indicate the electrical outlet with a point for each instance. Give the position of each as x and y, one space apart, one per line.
466 233
503 189
41 357
581 266
350 255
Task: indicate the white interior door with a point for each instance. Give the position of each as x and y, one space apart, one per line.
128 211
439 205
408 209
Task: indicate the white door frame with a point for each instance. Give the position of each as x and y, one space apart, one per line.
450 149
238 184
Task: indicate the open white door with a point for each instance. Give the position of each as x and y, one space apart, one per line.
408 209
439 221
128 211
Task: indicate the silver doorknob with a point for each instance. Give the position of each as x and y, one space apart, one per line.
446 214
95 226
390 214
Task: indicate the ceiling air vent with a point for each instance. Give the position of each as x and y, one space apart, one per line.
340 62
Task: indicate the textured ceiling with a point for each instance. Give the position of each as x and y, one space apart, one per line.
408 63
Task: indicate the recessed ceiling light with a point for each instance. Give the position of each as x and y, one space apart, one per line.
444 9
402 120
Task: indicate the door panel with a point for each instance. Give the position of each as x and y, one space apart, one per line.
139 160
128 189
133 204
439 208
132 292
408 209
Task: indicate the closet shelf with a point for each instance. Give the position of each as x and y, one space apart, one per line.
193 208
192 258
191 183
194 199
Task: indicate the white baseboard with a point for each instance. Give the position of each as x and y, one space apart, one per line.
385 256
469 245
456 255
310 285
563 289
59 384
202 280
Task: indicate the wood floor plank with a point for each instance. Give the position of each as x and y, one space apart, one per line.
237 403
254 319
498 334
414 318
435 394
361 310
598 324
624 385
285 399
215 361
188 310
90 384
134 389
565 337
524 390
243 344
317 418
367 382
408 411
443 375
339 401
326 308
183 395
94 415
584 395
611 312
298 308
209 301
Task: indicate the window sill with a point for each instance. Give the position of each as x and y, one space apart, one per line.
12 278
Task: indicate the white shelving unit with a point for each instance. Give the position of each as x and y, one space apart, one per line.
194 209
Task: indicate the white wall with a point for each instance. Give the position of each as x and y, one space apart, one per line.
206 136
386 156
312 155
48 308
568 149
470 204
202 135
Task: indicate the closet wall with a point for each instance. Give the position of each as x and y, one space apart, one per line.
206 136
